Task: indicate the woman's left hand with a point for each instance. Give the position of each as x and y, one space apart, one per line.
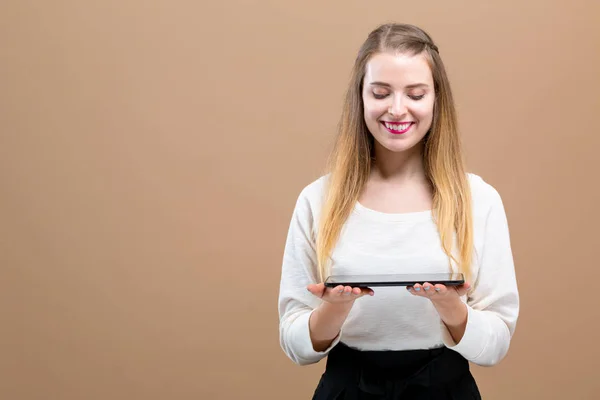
439 293
447 302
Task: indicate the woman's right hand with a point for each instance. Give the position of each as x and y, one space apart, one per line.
339 294
327 319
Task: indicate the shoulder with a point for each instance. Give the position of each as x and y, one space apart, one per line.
484 196
311 196
313 193
315 190
485 199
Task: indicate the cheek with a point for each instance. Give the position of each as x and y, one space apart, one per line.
373 111
423 111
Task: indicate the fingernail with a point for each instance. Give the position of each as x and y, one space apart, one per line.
426 287
437 289
341 290
417 289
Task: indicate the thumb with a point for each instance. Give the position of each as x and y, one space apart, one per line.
316 289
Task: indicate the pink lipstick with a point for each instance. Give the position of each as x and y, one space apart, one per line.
397 128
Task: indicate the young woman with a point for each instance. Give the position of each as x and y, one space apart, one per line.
397 199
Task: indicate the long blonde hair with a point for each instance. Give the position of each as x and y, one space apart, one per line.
350 161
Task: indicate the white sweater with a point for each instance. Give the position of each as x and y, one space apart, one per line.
379 243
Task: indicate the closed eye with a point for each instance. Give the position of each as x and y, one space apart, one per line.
383 96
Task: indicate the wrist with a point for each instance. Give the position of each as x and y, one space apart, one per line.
326 321
452 312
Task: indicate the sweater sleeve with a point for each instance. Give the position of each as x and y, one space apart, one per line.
493 302
296 303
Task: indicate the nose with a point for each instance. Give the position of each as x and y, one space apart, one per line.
397 108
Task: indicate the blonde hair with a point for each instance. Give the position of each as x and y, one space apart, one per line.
350 161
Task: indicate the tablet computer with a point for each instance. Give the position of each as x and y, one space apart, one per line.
447 279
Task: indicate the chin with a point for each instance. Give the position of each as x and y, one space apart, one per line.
398 146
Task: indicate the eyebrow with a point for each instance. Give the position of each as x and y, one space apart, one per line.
411 86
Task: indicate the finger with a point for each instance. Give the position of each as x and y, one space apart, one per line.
428 289
359 292
347 290
333 293
316 289
418 289
463 289
368 291
441 289
337 291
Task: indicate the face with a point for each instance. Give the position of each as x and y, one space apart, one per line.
398 97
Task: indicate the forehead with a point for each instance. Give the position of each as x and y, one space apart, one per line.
398 70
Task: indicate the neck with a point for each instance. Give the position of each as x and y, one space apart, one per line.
399 168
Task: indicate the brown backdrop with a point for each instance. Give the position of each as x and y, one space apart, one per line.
151 153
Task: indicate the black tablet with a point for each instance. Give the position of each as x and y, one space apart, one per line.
447 279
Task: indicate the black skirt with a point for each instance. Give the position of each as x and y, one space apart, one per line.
413 374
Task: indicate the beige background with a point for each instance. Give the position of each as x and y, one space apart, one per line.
151 153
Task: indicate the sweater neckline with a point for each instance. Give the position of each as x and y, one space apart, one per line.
414 216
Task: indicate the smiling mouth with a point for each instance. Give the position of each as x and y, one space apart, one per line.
397 128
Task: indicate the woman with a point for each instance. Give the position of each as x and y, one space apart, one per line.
397 199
